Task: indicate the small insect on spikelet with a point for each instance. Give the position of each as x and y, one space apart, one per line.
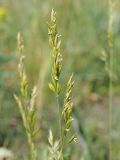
26 104
65 112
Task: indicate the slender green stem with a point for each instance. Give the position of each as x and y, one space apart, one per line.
110 44
59 115
33 153
110 106
60 124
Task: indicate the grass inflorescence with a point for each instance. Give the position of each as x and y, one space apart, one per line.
65 112
26 103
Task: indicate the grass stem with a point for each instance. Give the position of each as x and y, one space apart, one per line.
60 124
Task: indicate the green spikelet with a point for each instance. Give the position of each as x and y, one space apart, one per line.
25 104
55 42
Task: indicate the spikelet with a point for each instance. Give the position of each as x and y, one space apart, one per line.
55 42
68 105
54 150
25 104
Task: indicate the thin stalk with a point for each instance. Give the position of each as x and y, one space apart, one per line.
33 153
110 44
110 105
60 124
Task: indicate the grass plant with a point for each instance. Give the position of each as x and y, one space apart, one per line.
26 103
65 112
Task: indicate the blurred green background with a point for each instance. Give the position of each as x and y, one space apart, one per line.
83 25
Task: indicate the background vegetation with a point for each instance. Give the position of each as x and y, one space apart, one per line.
83 25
